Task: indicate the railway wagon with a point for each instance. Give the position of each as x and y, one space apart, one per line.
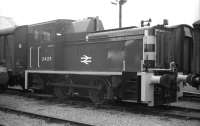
195 67
6 49
176 46
80 58
184 47
196 50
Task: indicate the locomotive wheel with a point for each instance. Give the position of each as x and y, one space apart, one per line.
98 96
61 92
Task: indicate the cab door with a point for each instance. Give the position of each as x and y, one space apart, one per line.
32 57
46 59
41 56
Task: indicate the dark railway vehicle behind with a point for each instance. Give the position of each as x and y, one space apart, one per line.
196 52
6 51
196 48
175 45
145 65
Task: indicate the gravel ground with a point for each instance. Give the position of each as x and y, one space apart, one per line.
89 115
7 119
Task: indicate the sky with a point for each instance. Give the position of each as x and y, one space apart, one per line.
33 11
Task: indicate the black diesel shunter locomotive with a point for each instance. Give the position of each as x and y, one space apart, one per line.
146 65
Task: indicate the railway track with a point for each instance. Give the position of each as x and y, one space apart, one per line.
164 110
135 108
191 96
42 117
180 112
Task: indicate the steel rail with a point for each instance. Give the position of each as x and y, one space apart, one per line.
42 117
180 112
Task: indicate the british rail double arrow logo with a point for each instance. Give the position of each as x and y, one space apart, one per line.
86 59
